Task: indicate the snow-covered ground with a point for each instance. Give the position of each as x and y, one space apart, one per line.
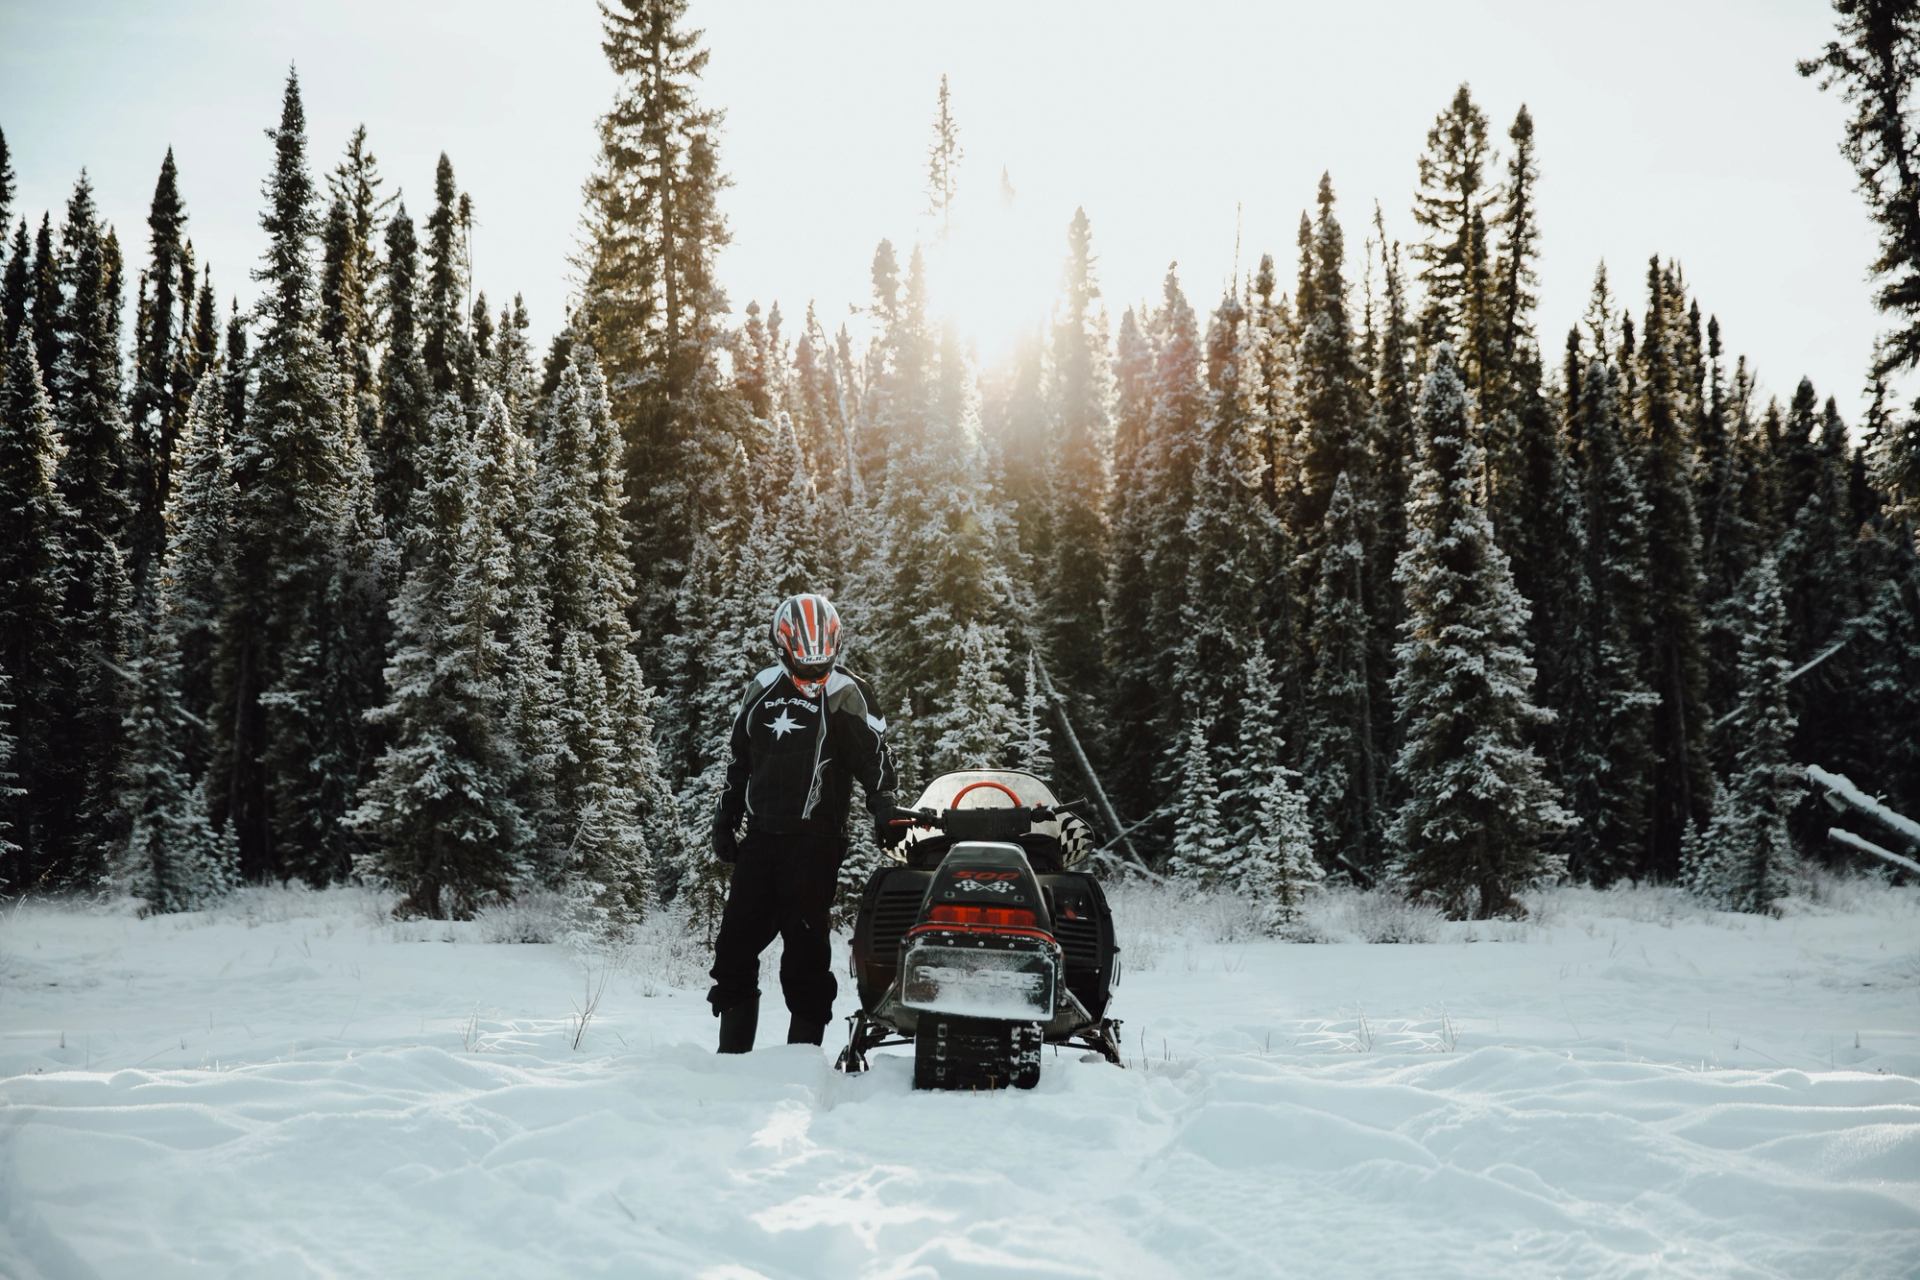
1625 1086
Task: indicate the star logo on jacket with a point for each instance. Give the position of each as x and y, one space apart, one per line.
783 724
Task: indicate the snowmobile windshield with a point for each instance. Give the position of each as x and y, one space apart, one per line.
942 792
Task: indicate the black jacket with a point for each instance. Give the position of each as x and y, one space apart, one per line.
794 754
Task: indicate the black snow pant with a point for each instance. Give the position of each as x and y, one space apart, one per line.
783 885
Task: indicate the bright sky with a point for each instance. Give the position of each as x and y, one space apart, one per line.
1670 126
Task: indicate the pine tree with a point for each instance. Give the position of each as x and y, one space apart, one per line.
943 162
1034 750
16 287
173 858
1330 383
1452 208
1132 668
35 660
1875 64
1202 849
1476 810
159 396
93 478
1606 760
609 784
6 191
199 566
651 303
1671 646
405 390
46 300
439 807
1344 775
1277 866
445 344
976 726
287 469
1742 861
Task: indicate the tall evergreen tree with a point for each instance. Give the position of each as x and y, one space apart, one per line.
46 300
93 478
444 342
1074 579
943 162
174 859
1742 861
35 658
159 396
405 385
1344 775
1132 668
1875 64
1671 647
1606 748
16 286
609 783
1277 868
651 303
440 807
1477 810
287 468
1451 207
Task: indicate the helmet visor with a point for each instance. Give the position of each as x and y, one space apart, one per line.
808 671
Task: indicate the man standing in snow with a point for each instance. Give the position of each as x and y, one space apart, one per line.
805 730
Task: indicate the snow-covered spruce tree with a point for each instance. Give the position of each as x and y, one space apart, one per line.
1329 381
1743 860
651 305
173 860
15 286
286 461
439 810
1477 812
1343 774
199 566
975 725
1034 751
1277 867
85 384
1203 850
34 655
445 346
1875 64
1451 207
1670 646
609 785
158 400
1230 535
1073 582
405 389
1131 674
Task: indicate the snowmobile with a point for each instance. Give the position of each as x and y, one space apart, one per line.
985 939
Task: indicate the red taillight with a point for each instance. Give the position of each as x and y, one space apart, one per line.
993 917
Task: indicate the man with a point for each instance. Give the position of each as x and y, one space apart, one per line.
805 730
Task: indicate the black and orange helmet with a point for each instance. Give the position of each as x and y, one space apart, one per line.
806 635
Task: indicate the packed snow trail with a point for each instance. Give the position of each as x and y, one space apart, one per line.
1622 1091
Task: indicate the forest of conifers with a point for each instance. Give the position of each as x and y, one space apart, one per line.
1349 572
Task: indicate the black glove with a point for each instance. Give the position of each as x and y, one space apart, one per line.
726 843
886 832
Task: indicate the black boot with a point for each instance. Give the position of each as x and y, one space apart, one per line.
805 1031
737 1026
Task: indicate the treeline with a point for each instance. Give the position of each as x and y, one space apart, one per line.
1354 577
